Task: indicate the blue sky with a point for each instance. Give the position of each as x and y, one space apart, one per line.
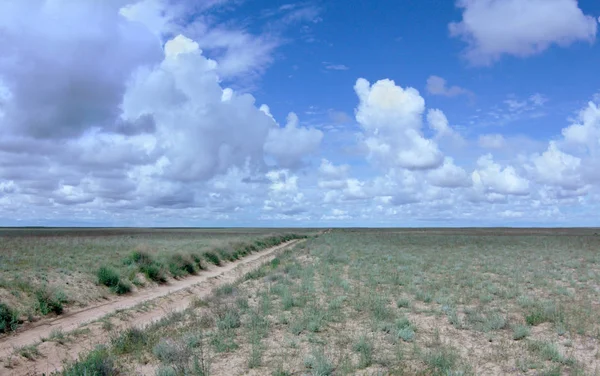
313 113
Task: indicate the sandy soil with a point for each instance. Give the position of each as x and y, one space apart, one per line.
162 300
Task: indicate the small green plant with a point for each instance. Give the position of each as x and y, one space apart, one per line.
58 336
9 318
97 363
109 277
319 364
224 290
154 272
405 330
403 303
442 361
50 301
129 341
213 258
230 320
151 268
29 352
549 351
520 331
180 265
364 348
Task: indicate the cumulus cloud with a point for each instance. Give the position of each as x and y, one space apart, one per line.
290 144
493 28
490 177
449 175
202 129
392 118
437 86
586 130
62 82
555 167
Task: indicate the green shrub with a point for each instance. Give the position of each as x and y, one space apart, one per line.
319 364
230 320
213 258
442 361
405 330
108 276
96 363
154 272
520 332
539 313
9 318
152 269
180 265
129 341
123 287
197 258
50 301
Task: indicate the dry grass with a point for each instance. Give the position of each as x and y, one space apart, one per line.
44 270
395 302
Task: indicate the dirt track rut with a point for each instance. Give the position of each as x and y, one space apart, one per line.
172 297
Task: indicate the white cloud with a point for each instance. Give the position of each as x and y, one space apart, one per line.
586 130
290 144
201 131
392 118
490 177
437 86
331 66
555 167
449 175
493 28
491 141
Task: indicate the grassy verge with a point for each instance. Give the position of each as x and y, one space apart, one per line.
29 299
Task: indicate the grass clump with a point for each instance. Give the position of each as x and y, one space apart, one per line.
364 348
29 352
180 265
129 341
443 361
178 357
49 301
540 313
109 277
97 363
146 264
213 258
319 364
549 351
9 318
520 332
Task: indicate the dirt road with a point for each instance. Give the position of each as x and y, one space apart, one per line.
175 296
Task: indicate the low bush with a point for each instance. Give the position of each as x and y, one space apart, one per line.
129 341
49 301
213 258
146 264
109 277
96 363
9 318
180 265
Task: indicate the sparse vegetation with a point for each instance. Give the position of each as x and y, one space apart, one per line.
81 263
386 302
